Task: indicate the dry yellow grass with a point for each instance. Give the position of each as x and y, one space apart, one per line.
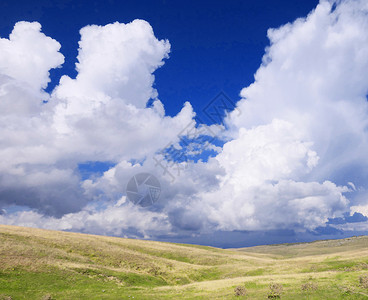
157 270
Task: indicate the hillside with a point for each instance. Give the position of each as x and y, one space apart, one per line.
353 244
42 264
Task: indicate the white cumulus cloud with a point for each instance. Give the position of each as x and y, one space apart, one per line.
294 157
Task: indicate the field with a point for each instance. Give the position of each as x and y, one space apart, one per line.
42 264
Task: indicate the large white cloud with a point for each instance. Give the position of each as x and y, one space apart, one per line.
261 187
313 75
303 125
100 115
105 106
297 154
114 61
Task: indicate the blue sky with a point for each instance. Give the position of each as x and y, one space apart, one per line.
286 163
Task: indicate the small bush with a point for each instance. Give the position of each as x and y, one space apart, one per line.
240 291
155 270
346 290
275 290
309 286
363 281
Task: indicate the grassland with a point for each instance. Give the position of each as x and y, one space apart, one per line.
42 264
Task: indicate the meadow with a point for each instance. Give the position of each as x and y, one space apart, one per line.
44 264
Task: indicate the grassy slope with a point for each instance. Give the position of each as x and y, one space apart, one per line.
34 263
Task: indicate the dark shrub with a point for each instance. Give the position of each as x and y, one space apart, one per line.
240 291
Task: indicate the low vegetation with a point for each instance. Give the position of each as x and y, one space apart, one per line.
275 291
240 291
42 264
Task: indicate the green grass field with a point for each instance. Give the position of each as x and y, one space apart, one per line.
42 264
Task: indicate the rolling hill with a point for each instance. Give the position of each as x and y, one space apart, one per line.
44 264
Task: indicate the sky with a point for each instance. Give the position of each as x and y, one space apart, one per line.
252 115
